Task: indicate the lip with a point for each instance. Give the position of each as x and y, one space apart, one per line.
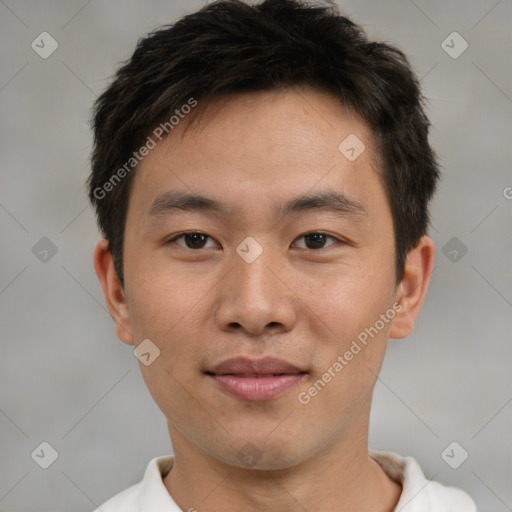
246 366
257 389
256 380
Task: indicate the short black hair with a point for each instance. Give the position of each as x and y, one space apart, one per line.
230 46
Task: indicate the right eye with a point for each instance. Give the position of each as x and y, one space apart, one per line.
193 240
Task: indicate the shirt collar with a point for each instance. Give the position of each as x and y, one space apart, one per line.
153 494
407 472
404 470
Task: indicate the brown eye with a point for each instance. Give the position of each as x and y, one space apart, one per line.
193 240
316 240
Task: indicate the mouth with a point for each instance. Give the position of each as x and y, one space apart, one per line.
256 380
255 375
257 387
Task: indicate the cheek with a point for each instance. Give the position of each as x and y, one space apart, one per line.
171 309
348 326
165 310
161 296
349 299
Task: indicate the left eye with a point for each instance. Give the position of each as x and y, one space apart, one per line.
197 240
317 239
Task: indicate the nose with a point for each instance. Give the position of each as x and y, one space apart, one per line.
256 297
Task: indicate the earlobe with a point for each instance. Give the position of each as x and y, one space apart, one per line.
413 287
113 291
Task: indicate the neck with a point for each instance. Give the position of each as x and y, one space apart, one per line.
338 477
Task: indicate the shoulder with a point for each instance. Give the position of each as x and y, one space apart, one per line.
125 501
418 493
149 494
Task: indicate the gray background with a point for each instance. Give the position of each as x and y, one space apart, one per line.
67 380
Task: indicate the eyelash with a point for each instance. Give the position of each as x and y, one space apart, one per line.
180 235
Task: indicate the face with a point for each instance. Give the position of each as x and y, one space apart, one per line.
259 274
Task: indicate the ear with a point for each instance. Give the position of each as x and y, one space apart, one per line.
113 291
413 287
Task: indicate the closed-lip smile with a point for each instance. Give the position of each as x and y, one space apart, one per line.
256 380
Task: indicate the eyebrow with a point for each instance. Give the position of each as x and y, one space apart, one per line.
329 201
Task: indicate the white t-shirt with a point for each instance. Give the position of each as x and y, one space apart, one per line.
418 493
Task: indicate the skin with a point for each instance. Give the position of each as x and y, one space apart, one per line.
302 304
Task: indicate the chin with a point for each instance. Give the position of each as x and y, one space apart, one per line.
262 454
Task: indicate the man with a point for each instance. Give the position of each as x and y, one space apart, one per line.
261 175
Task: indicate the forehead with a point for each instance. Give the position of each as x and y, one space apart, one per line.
255 146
